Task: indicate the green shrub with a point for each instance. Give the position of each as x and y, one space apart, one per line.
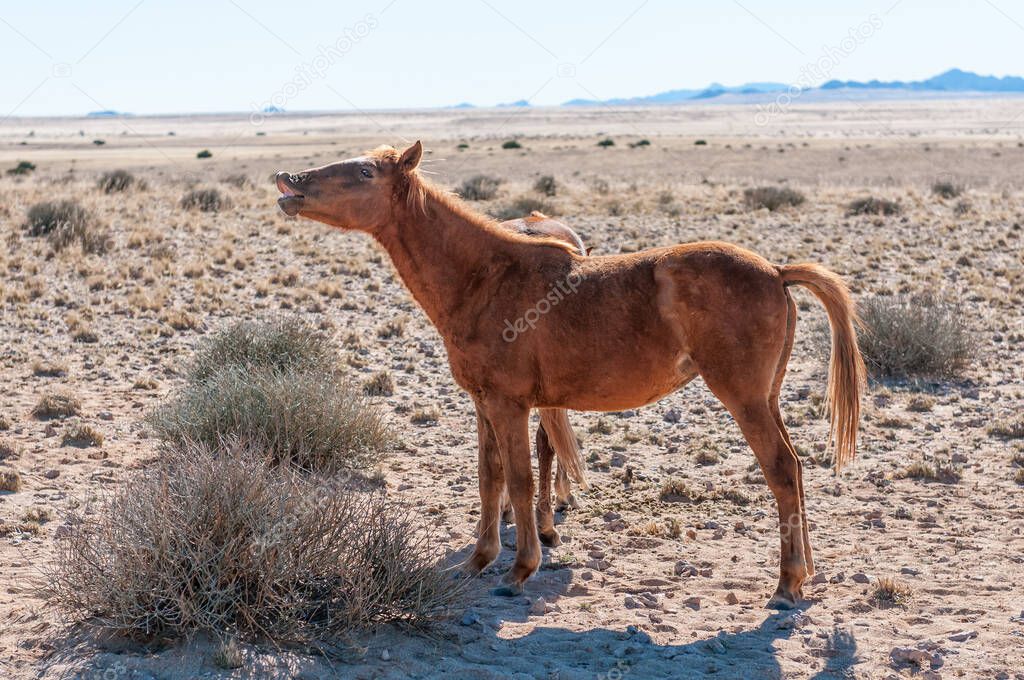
222 542
205 153
479 188
511 144
22 168
640 143
606 142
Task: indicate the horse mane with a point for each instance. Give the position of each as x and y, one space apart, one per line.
421 196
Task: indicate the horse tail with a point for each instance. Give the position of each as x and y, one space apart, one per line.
563 441
846 367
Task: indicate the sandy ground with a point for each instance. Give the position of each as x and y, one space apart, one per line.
640 588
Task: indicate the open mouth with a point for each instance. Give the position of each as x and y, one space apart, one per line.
291 200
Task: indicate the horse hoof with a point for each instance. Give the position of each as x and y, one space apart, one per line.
550 538
508 590
781 602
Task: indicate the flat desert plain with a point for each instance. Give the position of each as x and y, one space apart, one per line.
919 544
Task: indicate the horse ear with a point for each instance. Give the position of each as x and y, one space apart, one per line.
411 157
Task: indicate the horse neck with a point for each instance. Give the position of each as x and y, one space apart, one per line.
438 252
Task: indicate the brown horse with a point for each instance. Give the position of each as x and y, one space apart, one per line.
561 443
528 323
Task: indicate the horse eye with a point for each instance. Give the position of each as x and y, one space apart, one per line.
365 173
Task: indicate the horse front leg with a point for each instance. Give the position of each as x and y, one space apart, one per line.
510 423
492 486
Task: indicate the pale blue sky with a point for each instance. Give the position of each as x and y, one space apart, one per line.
66 57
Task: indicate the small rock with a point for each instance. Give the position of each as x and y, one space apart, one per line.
52 474
838 578
910 571
617 460
730 598
818 578
469 618
539 607
684 568
860 577
963 636
672 415
105 415
385 655
915 655
692 602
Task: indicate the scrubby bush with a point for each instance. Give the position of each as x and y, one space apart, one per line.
308 419
222 542
640 143
206 200
523 206
116 181
873 206
64 223
511 144
947 189
284 343
479 188
22 168
205 153
546 185
606 142
916 336
239 181
772 198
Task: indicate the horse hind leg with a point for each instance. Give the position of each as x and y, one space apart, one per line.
545 515
773 403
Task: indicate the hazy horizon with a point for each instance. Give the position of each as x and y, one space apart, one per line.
230 56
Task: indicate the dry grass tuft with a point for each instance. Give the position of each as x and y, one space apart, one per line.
205 200
873 206
921 403
64 223
546 185
943 472
380 385
889 592
116 181
479 188
10 480
9 450
224 542
82 436
947 189
57 405
1008 428
772 198
678 491
523 206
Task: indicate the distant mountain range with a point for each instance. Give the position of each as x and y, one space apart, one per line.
952 81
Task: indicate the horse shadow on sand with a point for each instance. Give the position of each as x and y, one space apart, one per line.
480 650
474 646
